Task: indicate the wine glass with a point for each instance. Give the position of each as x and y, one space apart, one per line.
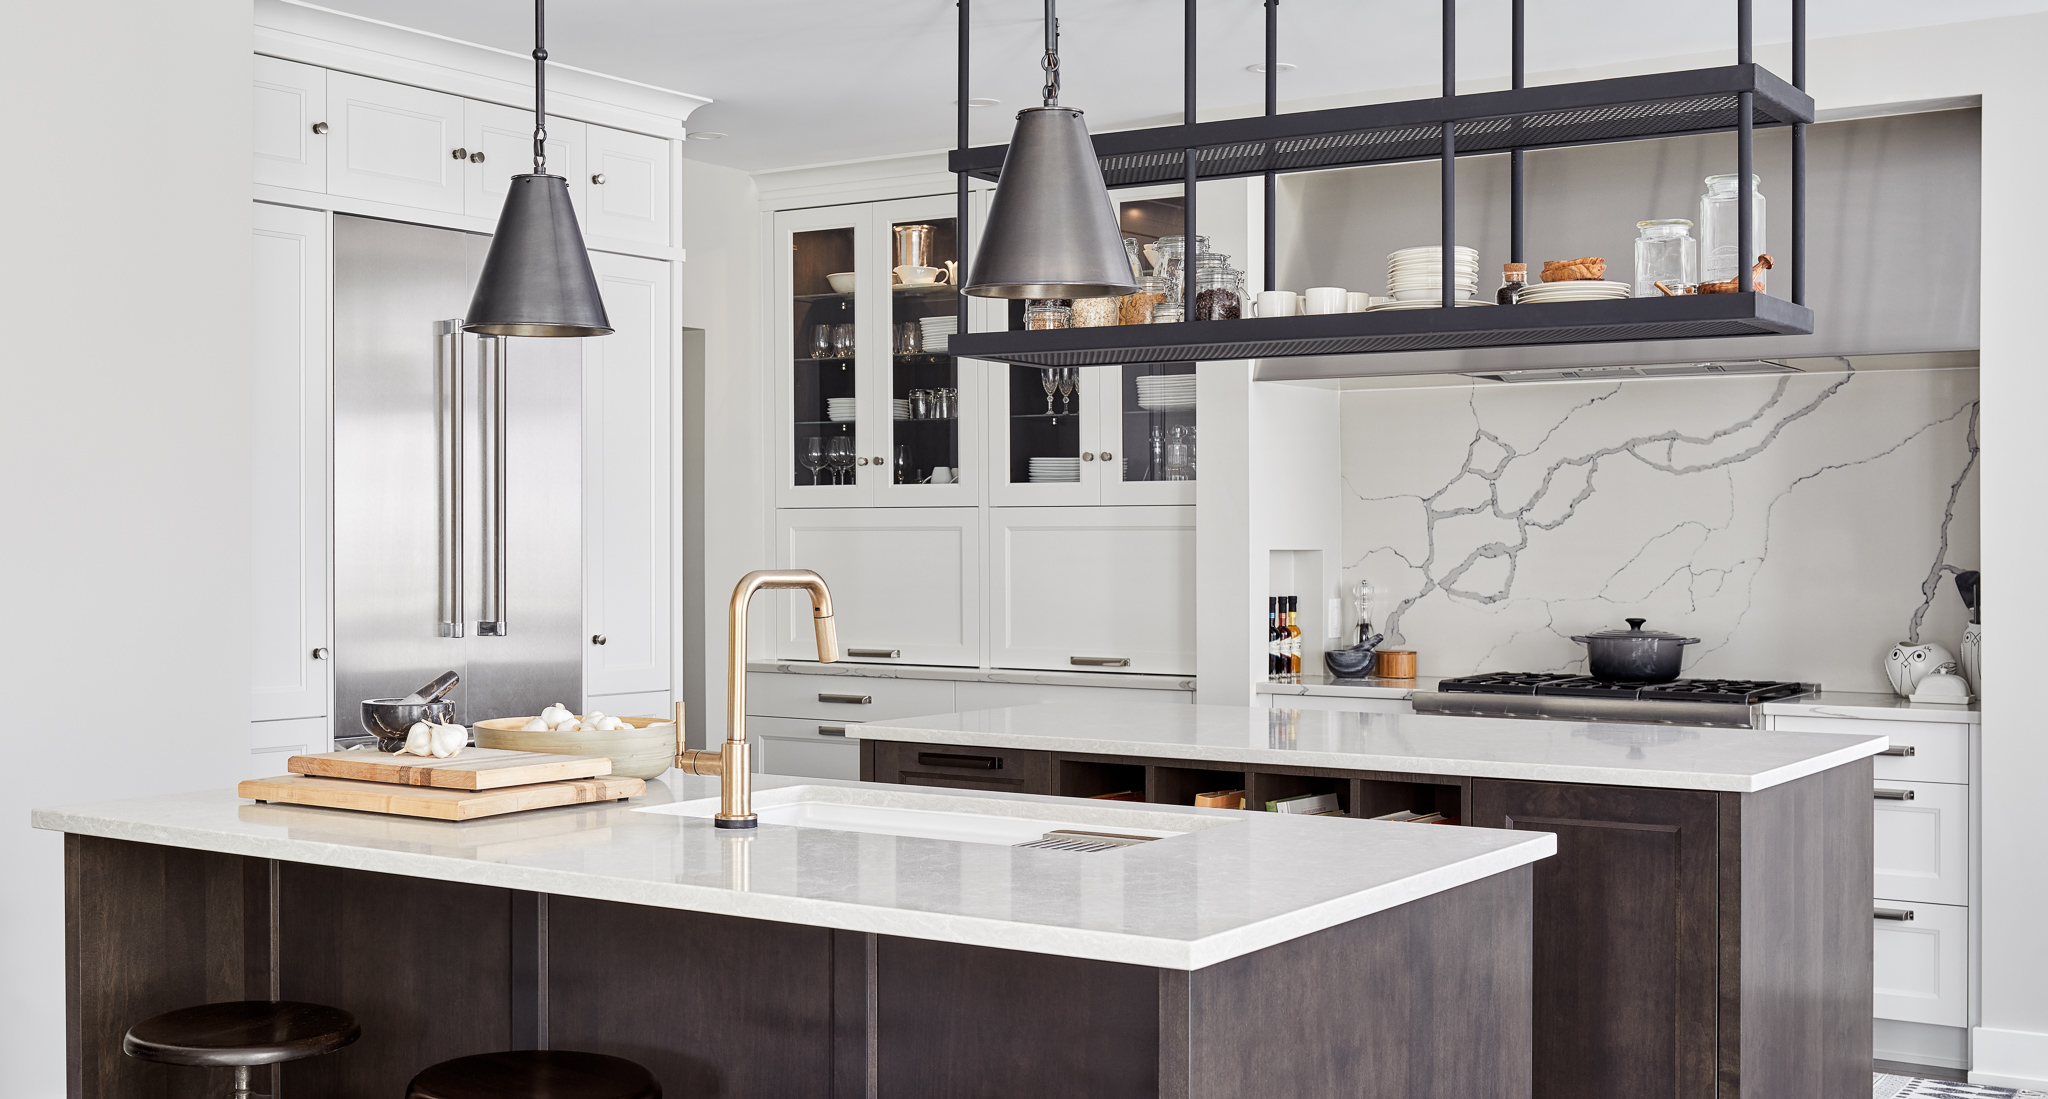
839 456
1049 378
814 456
1069 378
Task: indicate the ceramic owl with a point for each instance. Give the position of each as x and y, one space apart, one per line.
1973 656
1906 665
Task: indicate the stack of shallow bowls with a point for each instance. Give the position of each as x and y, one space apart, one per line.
1574 290
1053 470
1417 274
899 409
840 410
934 332
1166 392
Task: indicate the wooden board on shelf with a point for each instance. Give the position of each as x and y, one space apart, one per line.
473 769
432 802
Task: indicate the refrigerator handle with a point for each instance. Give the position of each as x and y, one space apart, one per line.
448 388
491 373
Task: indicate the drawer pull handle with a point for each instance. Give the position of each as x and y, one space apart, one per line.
1901 914
1100 661
940 759
887 654
851 700
1892 795
831 730
1899 750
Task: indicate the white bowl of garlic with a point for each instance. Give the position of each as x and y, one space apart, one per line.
639 747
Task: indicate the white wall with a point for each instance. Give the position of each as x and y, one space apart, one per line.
124 466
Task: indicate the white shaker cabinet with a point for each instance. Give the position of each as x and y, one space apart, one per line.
289 466
289 112
395 143
1922 841
906 582
500 144
1129 442
1920 962
627 175
1093 587
627 393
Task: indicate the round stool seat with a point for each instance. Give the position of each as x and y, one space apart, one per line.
241 1033
535 1074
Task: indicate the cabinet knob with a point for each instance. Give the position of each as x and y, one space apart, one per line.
860 461
878 459
460 154
476 157
319 127
1087 455
1105 456
597 639
598 179
320 654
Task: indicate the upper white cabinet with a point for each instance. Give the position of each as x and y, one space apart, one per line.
627 387
395 143
288 492
289 109
906 582
1093 588
1096 435
628 186
500 144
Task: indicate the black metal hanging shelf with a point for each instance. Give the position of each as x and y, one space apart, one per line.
1619 320
1630 108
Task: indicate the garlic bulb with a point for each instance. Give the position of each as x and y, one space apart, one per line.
537 725
555 715
418 740
447 740
612 725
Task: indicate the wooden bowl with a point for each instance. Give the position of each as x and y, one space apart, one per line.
643 751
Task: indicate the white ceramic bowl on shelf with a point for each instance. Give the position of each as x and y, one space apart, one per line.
842 281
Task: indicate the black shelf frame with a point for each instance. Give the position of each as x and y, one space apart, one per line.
1741 97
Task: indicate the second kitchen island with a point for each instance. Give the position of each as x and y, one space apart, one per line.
1704 930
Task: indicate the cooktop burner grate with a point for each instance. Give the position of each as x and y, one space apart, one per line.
1733 692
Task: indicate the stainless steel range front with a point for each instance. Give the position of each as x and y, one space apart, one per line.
1732 703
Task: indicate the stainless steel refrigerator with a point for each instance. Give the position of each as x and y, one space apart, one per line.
457 486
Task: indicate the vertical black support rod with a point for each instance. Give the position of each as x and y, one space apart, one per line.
540 88
1745 203
1745 33
1272 110
1187 110
1799 157
1449 259
1799 44
1515 158
960 184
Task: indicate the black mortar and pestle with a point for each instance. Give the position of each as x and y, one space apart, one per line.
391 718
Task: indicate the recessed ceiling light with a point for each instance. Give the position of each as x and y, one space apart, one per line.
706 135
1285 67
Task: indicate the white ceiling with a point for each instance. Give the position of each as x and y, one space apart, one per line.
815 81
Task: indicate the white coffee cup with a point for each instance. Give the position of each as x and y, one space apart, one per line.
1323 299
942 475
920 276
1279 303
1357 301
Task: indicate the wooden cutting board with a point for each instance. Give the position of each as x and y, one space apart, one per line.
474 769
433 802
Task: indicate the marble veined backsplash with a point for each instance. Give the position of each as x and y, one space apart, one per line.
1799 525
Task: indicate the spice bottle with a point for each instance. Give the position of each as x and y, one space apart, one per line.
1512 278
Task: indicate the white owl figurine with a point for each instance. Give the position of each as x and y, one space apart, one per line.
1906 665
1973 656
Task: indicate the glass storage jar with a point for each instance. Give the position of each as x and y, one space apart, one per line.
1667 254
1720 229
1096 312
1172 256
1044 313
1219 288
1168 312
1136 308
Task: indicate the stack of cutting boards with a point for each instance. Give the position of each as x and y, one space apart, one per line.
479 782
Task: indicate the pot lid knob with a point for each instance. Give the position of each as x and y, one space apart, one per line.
1635 624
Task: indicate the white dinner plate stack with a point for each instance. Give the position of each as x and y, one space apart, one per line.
1417 274
839 410
933 332
1054 470
1166 392
899 409
1574 290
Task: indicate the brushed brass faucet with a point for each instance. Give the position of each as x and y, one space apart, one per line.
731 762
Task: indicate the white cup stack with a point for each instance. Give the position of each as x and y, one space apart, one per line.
1417 274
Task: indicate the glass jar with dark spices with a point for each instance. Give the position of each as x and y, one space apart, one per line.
1219 288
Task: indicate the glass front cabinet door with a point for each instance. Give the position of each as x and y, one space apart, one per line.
872 408
1092 435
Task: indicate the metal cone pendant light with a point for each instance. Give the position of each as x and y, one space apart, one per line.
1052 232
537 279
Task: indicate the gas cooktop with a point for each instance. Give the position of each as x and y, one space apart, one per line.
1719 702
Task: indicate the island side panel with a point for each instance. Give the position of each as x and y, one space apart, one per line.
424 965
1796 938
711 1005
1628 951
1428 1000
149 929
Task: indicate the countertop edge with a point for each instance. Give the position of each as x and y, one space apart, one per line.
1122 680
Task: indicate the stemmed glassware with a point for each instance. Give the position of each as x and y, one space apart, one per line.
839 456
1069 378
814 456
1049 377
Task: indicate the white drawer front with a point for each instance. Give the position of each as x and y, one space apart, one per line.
799 749
1922 751
1922 842
837 699
1921 965
989 696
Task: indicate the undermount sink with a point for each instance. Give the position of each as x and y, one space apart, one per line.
946 817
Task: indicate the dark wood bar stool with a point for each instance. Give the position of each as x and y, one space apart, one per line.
535 1074
241 1034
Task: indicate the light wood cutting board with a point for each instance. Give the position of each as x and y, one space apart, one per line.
474 769
432 802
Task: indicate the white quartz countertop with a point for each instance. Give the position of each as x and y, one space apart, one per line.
1127 680
1184 902
1670 756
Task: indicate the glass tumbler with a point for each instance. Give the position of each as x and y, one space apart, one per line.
920 404
842 341
1666 253
1720 227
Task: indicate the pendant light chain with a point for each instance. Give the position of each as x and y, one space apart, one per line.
1051 62
540 88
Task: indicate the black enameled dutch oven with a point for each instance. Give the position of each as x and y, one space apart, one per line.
1634 655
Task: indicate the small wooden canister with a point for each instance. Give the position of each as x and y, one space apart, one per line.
1394 664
